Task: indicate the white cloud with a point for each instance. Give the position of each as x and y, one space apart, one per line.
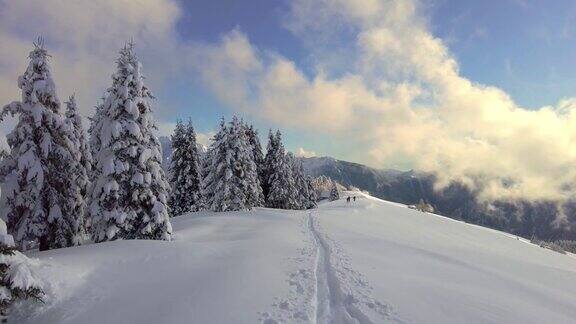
83 38
394 88
403 97
301 152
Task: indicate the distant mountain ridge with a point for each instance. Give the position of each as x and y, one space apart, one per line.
547 220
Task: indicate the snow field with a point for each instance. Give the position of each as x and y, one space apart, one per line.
369 261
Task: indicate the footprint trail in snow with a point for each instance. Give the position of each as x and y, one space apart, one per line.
326 289
332 304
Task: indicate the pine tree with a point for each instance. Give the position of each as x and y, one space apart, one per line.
258 156
17 281
246 169
185 171
129 196
83 163
36 184
271 153
231 181
94 133
282 192
312 197
304 197
334 192
206 167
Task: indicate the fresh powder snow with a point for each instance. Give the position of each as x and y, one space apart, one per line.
367 261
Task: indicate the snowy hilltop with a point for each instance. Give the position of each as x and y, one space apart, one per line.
367 261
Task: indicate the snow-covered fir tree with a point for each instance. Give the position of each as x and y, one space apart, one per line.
271 153
83 160
282 191
94 133
334 192
246 170
312 196
130 193
185 170
38 192
254 141
17 280
206 171
304 198
231 181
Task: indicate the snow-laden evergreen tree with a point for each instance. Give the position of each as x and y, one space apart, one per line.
282 191
185 171
80 171
231 181
302 184
254 141
17 280
207 173
94 133
130 192
271 153
334 192
312 197
36 183
4 169
246 169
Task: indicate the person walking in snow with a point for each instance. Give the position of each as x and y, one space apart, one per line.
354 198
348 200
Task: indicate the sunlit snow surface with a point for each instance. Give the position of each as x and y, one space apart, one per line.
367 262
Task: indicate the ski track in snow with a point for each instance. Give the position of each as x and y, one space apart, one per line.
325 288
332 304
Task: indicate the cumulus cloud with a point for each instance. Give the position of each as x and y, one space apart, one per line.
382 81
402 96
83 38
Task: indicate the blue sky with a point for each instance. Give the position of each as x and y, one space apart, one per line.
525 47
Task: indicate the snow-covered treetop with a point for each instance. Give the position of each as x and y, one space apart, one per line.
37 84
38 88
128 73
72 109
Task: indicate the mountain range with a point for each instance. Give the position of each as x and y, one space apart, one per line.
545 220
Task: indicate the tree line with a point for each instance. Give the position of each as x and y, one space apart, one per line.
62 186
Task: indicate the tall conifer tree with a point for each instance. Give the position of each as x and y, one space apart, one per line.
37 187
185 170
130 193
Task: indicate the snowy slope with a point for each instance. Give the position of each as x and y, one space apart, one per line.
368 262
